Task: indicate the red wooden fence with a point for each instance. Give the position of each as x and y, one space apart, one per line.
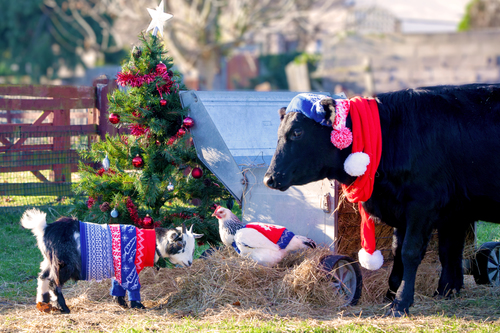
45 142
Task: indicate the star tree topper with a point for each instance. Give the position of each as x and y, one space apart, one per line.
158 18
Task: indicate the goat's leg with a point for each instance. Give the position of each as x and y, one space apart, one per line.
42 291
118 293
134 296
57 293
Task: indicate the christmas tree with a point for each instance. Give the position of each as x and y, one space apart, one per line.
151 177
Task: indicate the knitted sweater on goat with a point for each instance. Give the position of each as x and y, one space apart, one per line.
119 251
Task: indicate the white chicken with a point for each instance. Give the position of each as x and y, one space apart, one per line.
265 243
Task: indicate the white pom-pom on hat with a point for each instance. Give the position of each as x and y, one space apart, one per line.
356 164
370 261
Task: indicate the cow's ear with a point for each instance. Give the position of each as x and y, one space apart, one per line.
328 104
282 113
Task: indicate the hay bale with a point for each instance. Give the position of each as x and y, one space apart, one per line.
349 242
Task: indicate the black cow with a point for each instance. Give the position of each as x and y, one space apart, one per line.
439 169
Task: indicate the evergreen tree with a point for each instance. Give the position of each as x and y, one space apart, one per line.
151 177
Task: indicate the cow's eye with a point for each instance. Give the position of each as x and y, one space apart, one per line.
296 134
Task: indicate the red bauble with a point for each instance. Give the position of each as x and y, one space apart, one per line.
188 122
147 221
161 68
181 132
114 118
197 173
138 161
163 102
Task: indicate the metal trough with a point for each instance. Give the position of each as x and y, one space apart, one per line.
235 136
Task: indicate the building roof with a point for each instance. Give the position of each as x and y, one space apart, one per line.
422 16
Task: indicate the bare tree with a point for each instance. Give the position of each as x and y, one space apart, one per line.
92 40
201 31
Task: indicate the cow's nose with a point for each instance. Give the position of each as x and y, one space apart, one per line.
269 181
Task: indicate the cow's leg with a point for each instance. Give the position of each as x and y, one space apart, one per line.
417 237
451 247
397 267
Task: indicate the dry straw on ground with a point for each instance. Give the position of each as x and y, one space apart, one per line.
226 286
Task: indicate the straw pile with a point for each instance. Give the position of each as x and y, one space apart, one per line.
226 282
297 287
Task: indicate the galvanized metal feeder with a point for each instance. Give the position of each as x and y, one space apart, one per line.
235 136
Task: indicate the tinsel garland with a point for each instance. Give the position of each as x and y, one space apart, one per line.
102 171
132 209
90 202
138 129
137 80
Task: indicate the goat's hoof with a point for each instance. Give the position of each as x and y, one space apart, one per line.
136 305
120 300
48 308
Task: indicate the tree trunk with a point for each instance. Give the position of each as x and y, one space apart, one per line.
208 66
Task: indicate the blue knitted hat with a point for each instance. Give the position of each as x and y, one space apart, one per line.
309 105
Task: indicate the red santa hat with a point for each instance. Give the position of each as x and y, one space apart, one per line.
366 141
341 137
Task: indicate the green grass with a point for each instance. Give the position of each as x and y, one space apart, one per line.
487 232
18 268
20 256
28 177
287 325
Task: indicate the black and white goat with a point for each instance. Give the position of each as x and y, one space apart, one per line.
60 245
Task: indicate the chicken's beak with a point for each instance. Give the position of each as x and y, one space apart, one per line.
213 214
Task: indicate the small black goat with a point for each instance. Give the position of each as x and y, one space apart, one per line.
67 254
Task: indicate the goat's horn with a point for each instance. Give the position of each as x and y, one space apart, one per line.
191 229
183 228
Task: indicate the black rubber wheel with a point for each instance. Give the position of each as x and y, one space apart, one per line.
486 266
345 276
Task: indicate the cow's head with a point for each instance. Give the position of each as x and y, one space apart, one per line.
304 152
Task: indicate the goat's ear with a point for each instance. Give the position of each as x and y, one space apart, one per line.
282 113
328 104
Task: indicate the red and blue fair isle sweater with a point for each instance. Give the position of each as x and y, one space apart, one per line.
119 251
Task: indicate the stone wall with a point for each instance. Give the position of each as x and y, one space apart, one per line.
394 62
